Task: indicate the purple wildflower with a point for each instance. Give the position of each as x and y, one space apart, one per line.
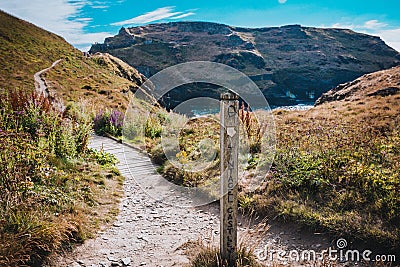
117 119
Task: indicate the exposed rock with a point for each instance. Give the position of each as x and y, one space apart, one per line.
382 83
385 91
112 259
305 61
126 261
119 67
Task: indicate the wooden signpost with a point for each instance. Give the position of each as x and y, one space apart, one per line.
229 145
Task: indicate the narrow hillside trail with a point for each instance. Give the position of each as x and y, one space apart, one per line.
41 87
148 232
40 82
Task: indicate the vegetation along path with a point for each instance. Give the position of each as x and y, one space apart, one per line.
40 82
148 232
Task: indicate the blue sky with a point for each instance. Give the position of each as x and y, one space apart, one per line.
83 22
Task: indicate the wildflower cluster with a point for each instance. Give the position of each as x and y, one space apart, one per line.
106 122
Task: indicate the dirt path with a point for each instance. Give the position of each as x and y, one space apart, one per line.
40 83
148 232
41 88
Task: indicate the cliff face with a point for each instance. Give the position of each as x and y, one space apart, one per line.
383 84
291 64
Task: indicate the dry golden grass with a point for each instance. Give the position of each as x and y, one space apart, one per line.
337 165
101 79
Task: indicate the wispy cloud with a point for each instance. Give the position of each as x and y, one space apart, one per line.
183 15
58 16
373 25
100 7
282 1
391 36
167 12
340 25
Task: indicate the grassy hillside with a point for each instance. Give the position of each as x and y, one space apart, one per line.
54 190
26 49
336 167
337 164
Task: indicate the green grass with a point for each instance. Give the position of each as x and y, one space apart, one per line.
330 172
25 49
53 187
342 179
55 191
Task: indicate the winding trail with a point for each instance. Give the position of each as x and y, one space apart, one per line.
40 83
148 232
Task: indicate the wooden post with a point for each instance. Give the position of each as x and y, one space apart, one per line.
229 145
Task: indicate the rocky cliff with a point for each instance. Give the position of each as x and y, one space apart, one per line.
381 84
291 64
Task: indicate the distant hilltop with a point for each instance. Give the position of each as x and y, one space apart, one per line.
291 64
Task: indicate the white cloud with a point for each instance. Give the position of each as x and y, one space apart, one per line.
343 26
183 15
391 36
282 1
100 7
84 19
155 15
56 16
373 25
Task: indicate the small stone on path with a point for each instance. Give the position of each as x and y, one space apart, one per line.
112 259
126 261
118 224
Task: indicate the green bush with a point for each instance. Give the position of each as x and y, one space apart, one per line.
109 122
104 158
325 177
40 183
66 134
153 127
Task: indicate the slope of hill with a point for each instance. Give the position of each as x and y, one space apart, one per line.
373 100
382 83
290 64
54 190
26 49
337 164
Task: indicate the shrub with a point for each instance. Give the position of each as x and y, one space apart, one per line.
42 190
66 134
153 127
106 122
104 158
209 256
253 128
